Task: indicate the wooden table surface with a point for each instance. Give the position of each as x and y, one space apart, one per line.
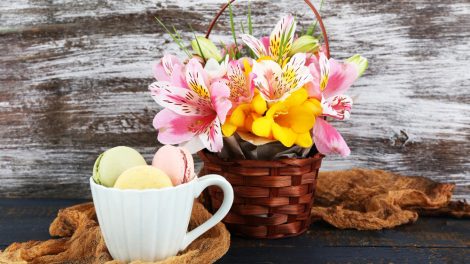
74 76
430 240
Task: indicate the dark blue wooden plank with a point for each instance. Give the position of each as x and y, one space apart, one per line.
28 219
438 240
311 253
427 232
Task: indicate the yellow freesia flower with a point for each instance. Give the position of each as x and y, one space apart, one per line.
289 121
244 115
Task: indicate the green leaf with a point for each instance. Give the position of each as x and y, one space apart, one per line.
175 36
284 42
199 48
250 25
232 27
311 29
250 28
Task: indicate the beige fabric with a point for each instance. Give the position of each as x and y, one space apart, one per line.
81 241
374 199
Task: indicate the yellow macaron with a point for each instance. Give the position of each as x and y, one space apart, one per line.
143 177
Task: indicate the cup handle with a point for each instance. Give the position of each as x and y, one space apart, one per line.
203 183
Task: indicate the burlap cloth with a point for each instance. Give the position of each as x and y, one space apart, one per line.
81 241
374 199
359 199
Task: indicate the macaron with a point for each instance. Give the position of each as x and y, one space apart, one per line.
113 162
176 162
143 177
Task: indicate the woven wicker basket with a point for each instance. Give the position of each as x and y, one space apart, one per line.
273 199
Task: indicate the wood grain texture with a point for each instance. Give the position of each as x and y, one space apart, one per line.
74 76
430 240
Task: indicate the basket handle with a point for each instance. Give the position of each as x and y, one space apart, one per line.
312 7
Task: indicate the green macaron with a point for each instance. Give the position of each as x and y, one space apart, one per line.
113 162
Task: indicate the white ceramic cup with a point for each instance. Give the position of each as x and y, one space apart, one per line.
152 224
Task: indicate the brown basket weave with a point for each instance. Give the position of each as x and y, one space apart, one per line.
273 199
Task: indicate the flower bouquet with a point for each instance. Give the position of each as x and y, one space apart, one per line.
257 110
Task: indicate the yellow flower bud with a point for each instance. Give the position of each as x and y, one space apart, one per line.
304 44
206 48
360 62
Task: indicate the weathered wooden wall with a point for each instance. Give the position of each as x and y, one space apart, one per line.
74 75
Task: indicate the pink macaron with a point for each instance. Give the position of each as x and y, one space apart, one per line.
176 162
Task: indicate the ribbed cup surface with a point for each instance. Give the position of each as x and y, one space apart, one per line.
146 225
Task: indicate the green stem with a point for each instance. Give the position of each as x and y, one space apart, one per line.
175 36
198 45
232 26
250 25
311 30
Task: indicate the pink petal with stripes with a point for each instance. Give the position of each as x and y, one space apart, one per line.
338 107
241 87
255 45
341 77
179 100
285 26
212 137
197 79
220 94
328 140
265 42
164 68
173 128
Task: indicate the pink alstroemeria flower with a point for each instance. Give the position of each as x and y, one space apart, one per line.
271 47
231 49
276 82
170 69
240 82
194 110
330 80
328 140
